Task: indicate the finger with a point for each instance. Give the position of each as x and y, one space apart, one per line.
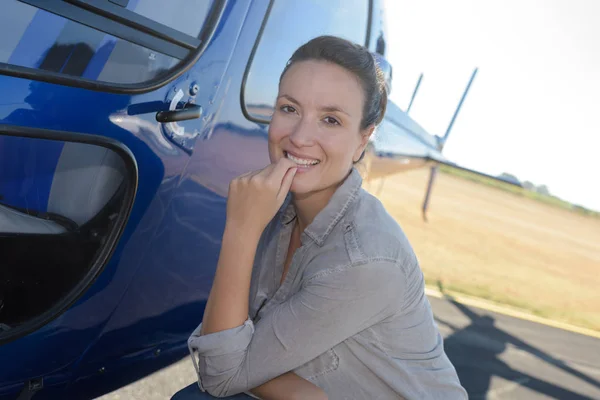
247 174
250 174
267 171
286 183
280 169
254 173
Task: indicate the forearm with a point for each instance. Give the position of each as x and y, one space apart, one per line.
227 305
289 386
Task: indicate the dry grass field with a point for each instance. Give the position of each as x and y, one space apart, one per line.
493 244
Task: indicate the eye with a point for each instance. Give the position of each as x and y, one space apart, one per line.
287 108
331 121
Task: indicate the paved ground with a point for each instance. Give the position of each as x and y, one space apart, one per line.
501 357
497 357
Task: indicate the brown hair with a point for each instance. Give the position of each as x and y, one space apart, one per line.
356 59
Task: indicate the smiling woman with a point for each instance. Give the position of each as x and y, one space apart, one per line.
318 293
321 131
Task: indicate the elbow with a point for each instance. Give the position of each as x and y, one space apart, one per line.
222 377
221 359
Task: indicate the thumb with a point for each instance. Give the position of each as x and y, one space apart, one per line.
286 183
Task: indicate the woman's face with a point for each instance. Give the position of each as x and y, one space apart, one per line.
316 124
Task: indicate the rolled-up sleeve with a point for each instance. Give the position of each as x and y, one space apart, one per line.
220 354
331 306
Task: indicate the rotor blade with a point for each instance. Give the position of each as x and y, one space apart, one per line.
460 103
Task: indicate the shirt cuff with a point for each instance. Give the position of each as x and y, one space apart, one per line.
232 342
223 342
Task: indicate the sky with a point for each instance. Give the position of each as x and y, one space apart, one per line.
534 107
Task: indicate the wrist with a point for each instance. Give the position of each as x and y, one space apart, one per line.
249 233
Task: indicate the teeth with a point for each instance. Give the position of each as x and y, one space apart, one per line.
301 161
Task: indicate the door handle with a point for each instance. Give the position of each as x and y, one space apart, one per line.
190 111
173 131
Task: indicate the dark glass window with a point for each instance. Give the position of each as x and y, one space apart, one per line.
61 204
186 16
35 38
290 24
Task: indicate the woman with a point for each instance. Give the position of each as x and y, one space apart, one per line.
317 292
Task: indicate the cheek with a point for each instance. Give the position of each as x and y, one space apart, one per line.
278 130
277 136
339 149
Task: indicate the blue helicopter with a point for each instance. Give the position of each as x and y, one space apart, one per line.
121 124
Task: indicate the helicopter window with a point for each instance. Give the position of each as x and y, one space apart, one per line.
302 20
189 23
62 204
101 41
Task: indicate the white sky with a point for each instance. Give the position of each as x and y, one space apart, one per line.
533 109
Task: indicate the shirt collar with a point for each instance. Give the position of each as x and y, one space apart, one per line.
336 208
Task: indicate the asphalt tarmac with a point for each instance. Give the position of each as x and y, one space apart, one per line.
496 356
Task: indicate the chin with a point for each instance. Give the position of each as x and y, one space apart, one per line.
304 186
300 186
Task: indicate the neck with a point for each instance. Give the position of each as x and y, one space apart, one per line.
309 205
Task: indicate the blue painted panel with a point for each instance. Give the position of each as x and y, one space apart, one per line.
42 105
167 295
65 339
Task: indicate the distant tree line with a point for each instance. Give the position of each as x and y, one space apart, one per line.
545 191
541 189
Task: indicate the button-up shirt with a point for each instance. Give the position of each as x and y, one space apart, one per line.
351 315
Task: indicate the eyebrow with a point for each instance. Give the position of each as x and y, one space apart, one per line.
330 108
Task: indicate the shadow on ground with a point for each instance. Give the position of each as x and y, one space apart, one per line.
475 351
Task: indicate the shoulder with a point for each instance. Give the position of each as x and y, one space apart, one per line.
378 278
366 239
378 235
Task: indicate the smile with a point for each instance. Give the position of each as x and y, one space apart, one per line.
305 162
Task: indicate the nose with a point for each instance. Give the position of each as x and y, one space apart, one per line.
303 133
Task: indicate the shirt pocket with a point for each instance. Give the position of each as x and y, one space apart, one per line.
320 365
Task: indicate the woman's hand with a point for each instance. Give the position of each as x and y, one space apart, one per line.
254 198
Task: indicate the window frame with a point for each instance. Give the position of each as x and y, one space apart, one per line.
112 239
127 25
263 25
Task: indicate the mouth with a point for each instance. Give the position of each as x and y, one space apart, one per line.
303 163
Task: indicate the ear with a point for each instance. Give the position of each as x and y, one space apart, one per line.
365 135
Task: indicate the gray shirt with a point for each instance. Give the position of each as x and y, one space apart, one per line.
351 315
